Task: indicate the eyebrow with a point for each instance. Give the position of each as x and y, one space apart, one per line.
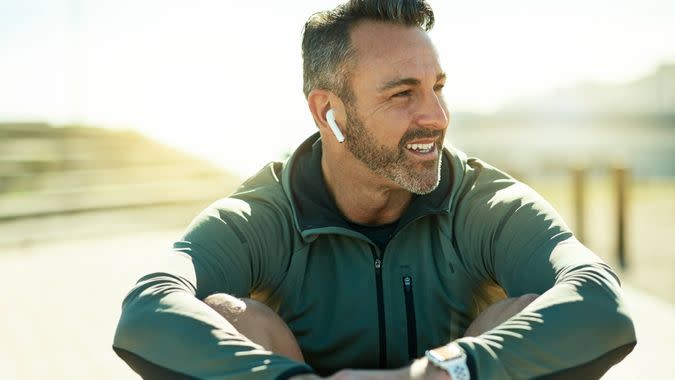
406 82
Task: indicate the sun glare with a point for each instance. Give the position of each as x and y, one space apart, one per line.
224 82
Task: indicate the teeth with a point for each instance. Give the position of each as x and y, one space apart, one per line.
423 147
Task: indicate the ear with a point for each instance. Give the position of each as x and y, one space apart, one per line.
319 102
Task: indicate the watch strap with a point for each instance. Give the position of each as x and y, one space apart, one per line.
452 359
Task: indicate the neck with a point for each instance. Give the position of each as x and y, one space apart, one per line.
362 196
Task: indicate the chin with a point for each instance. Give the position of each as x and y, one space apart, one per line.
426 183
425 189
417 184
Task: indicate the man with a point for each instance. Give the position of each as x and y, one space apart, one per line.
374 247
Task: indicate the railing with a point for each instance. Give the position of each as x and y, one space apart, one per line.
60 192
621 182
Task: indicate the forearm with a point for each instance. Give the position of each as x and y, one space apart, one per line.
580 325
164 327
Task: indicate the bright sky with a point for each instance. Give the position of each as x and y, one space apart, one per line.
223 79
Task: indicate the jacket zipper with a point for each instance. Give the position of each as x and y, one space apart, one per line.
410 317
380 310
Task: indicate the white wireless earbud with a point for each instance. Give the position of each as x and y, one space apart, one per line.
330 117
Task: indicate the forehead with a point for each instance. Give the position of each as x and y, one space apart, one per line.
385 51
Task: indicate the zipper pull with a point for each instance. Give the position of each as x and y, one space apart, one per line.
378 264
407 284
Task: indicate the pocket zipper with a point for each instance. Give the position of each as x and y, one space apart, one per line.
410 317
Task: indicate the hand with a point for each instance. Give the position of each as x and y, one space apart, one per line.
359 374
498 313
421 369
354 374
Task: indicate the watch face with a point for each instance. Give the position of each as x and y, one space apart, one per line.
447 352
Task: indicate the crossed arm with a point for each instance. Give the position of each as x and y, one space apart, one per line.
261 325
165 326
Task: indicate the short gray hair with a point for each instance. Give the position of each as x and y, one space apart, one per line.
327 52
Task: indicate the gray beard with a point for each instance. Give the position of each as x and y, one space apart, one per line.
393 163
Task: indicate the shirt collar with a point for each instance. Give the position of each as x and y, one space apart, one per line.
314 207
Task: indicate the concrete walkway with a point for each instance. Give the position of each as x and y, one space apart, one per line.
61 301
652 358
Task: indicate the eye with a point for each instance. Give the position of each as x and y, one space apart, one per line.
402 94
439 87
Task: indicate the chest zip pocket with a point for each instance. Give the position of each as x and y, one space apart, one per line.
410 316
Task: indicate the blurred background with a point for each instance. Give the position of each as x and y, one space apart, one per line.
121 120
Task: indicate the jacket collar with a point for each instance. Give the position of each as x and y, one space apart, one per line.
315 211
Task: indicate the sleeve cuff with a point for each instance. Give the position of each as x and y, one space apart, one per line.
299 370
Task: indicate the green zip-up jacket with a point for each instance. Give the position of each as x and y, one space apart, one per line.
280 239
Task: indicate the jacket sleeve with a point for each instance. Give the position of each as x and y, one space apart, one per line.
579 326
167 332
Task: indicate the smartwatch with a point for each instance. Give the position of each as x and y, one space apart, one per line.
452 359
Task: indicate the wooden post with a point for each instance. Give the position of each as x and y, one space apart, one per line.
620 182
579 194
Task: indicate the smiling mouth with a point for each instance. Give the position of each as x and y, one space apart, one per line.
421 148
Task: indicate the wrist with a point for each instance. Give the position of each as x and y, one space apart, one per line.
305 376
423 369
451 359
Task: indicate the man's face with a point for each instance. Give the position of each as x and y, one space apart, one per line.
397 122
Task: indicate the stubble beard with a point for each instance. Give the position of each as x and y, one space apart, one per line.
394 163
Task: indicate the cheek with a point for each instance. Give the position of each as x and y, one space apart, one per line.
392 127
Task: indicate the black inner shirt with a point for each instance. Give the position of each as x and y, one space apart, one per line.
316 208
379 234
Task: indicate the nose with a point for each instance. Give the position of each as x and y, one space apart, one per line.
433 113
